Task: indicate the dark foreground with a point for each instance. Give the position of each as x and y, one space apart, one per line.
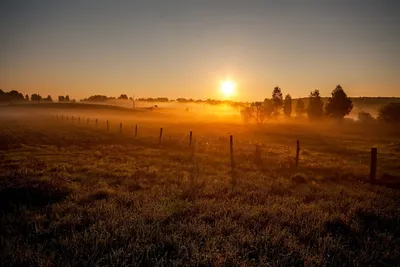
75 195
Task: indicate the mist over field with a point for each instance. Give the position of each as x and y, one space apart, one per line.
200 133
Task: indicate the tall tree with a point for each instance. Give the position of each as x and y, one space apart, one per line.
258 112
247 114
339 105
27 98
315 109
61 98
287 105
66 98
300 108
277 100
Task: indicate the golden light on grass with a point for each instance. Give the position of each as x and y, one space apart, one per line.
228 88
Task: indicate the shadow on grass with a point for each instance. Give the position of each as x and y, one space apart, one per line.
390 181
17 191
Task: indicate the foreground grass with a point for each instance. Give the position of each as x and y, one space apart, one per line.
75 196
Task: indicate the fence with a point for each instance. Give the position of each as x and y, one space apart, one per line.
210 145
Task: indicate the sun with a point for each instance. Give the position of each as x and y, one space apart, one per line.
228 88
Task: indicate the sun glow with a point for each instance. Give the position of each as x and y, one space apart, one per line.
228 88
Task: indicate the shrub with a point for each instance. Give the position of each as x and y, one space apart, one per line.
390 113
365 117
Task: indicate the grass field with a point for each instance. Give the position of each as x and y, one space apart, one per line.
74 194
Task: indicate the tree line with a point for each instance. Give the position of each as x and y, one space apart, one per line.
337 107
14 96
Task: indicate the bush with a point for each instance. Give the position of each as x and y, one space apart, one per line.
390 113
365 117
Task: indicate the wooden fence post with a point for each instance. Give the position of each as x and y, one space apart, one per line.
374 157
120 127
232 162
190 138
297 153
160 138
108 126
136 130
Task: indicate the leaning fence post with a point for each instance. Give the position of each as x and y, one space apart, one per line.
136 128
232 162
120 127
190 138
374 156
159 139
297 153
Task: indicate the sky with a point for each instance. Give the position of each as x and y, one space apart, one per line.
184 48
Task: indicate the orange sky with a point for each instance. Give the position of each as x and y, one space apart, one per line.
184 49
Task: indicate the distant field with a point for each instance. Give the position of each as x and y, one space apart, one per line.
76 194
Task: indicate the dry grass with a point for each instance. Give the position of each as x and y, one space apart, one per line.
76 195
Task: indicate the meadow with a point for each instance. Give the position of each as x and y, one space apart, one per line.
73 193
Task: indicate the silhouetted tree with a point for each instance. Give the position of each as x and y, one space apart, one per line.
15 96
3 97
123 97
287 105
66 98
61 98
48 99
27 98
36 98
339 105
182 100
268 107
258 112
96 98
300 108
277 100
12 96
315 109
247 114
73 101
390 113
